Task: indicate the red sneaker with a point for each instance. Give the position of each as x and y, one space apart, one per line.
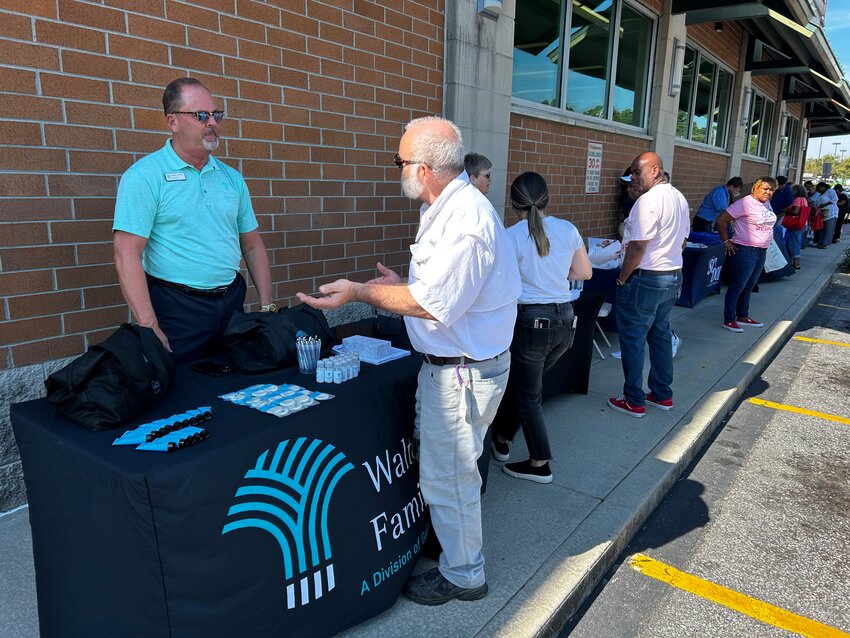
622 405
665 404
733 326
752 323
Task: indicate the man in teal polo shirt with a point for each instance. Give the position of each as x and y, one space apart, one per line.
183 221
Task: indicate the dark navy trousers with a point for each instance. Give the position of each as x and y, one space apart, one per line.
194 322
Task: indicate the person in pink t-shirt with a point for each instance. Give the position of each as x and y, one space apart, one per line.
745 253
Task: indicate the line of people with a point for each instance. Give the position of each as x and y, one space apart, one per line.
794 215
832 205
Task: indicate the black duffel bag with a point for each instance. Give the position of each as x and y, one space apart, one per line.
114 381
265 341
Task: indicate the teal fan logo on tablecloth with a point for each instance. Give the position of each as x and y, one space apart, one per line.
288 496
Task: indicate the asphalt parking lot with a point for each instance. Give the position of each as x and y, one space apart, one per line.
753 540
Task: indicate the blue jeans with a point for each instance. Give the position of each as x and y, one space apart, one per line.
643 308
454 407
533 353
828 231
745 268
794 242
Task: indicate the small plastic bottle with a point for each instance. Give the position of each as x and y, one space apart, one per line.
329 370
320 372
337 370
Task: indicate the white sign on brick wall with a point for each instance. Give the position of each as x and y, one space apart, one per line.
594 167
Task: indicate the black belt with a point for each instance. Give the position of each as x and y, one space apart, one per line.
554 304
221 291
449 361
644 271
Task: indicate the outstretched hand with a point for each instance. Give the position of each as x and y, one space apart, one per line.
388 277
335 294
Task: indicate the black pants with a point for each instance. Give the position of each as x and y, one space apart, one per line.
193 322
534 351
701 225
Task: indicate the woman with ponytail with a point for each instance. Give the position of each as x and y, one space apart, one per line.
550 253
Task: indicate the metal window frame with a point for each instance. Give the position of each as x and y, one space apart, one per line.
653 22
612 52
749 126
718 65
793 134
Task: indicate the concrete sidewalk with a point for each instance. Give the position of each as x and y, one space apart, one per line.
547 546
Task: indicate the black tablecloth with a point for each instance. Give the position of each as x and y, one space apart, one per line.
700 273
700 278
211 540
605 281
572 372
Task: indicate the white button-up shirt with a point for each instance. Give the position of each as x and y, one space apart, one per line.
463 271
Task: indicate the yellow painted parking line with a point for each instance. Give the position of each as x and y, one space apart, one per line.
736 601
829 343
826 305
794 408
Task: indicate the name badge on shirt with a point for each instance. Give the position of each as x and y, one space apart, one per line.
175 177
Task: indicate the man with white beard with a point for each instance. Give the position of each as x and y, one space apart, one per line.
183 220
459 303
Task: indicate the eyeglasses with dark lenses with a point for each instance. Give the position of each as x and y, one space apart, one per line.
203 116
401 163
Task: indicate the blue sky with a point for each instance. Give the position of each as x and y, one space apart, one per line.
837 27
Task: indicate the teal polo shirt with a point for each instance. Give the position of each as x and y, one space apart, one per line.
192 219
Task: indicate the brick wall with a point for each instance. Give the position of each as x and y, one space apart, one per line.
725 46
769 85
316 94
656 6
696 172
559 153
751 171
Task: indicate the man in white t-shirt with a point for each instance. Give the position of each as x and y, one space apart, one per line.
459 304
649 283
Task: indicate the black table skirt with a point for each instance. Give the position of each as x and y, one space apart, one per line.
130 543
701 269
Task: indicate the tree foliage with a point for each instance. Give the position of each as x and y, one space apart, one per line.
840 168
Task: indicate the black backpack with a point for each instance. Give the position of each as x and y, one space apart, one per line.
265 341
114 381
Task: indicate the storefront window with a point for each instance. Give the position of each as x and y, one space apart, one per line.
756 112
704 100
603 77
537 51
683 120
633 56
720 110
590 50
791 141
766 128
757 139
702 103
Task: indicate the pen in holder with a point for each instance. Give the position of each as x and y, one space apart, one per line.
309 351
